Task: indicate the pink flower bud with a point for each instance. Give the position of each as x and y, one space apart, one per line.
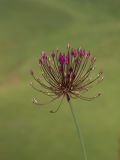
43 55
66 59
81 52
73 52
52 54
61 58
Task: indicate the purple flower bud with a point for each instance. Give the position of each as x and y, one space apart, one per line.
40 61
81 52
66 59
42 58
61 58
52 54
43 55
73 52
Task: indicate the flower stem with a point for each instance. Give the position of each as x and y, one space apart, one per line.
78 131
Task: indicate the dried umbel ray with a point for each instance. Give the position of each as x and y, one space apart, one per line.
66 75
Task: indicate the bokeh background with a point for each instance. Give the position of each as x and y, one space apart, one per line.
27 27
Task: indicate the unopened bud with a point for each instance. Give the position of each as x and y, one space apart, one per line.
68 46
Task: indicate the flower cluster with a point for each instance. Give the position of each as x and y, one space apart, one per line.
66 74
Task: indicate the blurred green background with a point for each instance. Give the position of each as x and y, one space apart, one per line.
27 27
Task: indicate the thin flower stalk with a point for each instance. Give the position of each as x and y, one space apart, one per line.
79 132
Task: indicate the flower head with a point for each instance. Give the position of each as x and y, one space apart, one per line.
67 75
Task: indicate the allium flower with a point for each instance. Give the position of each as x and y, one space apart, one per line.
66 75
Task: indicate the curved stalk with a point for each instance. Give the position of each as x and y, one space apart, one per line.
78 129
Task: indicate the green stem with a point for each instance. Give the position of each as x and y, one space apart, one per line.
78 132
